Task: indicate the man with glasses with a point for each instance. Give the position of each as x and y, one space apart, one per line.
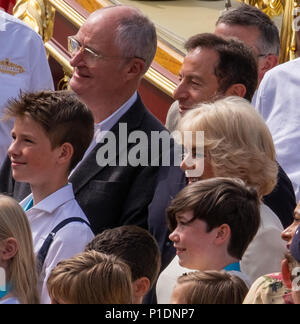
110 54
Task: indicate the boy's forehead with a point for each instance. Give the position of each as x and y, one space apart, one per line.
29 125
187 214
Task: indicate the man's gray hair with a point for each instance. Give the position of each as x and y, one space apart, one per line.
244 15
136 37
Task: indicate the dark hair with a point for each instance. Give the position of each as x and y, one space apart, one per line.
220 201
245 15
62 116
236 61
135 246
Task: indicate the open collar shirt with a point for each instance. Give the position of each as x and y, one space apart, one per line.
69 240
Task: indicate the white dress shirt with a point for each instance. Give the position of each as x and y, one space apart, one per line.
103 127
23 66
69 240
277 102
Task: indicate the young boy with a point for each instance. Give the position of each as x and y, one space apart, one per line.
212 223
137 248
90 278
51 132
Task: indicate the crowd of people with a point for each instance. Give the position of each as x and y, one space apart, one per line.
80 223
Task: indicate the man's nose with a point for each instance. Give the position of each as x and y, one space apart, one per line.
76 58
181 91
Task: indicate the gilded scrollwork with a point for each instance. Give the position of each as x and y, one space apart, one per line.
39 14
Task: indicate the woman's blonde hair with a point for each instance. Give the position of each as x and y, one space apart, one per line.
21 272
237 141
91 278
212 287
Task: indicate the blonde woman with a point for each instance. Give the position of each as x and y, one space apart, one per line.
90 278
18 276
237 144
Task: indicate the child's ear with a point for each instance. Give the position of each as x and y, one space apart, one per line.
223 234
66 152
286 274
9 248
140 287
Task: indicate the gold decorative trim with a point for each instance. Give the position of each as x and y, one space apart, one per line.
68 12
161 82
64 62
38 14
8 67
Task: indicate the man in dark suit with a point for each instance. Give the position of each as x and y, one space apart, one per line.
110 54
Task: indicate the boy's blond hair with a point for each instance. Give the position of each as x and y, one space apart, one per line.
90 278
212 287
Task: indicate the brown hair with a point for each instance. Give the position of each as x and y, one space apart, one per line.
91 278
212 287
236 61
135 246
220 201
62 116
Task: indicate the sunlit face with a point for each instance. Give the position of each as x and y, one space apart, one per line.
194 246
104 76
32 158
249 35
288 234
198 82
197 166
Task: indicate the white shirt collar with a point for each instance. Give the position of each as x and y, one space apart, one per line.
110 121
50 203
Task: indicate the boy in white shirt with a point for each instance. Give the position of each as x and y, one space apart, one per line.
51 132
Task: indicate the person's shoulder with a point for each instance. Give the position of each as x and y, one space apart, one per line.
269 218
289 67
148 120
15 25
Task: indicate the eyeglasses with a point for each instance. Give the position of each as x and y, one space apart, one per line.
91 57
74 47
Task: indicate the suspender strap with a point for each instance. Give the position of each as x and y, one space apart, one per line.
45 247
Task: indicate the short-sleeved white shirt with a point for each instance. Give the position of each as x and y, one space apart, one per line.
277 102
23 66
69 240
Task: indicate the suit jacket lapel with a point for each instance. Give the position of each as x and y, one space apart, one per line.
89 168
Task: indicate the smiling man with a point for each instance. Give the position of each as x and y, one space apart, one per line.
110 54
213 68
